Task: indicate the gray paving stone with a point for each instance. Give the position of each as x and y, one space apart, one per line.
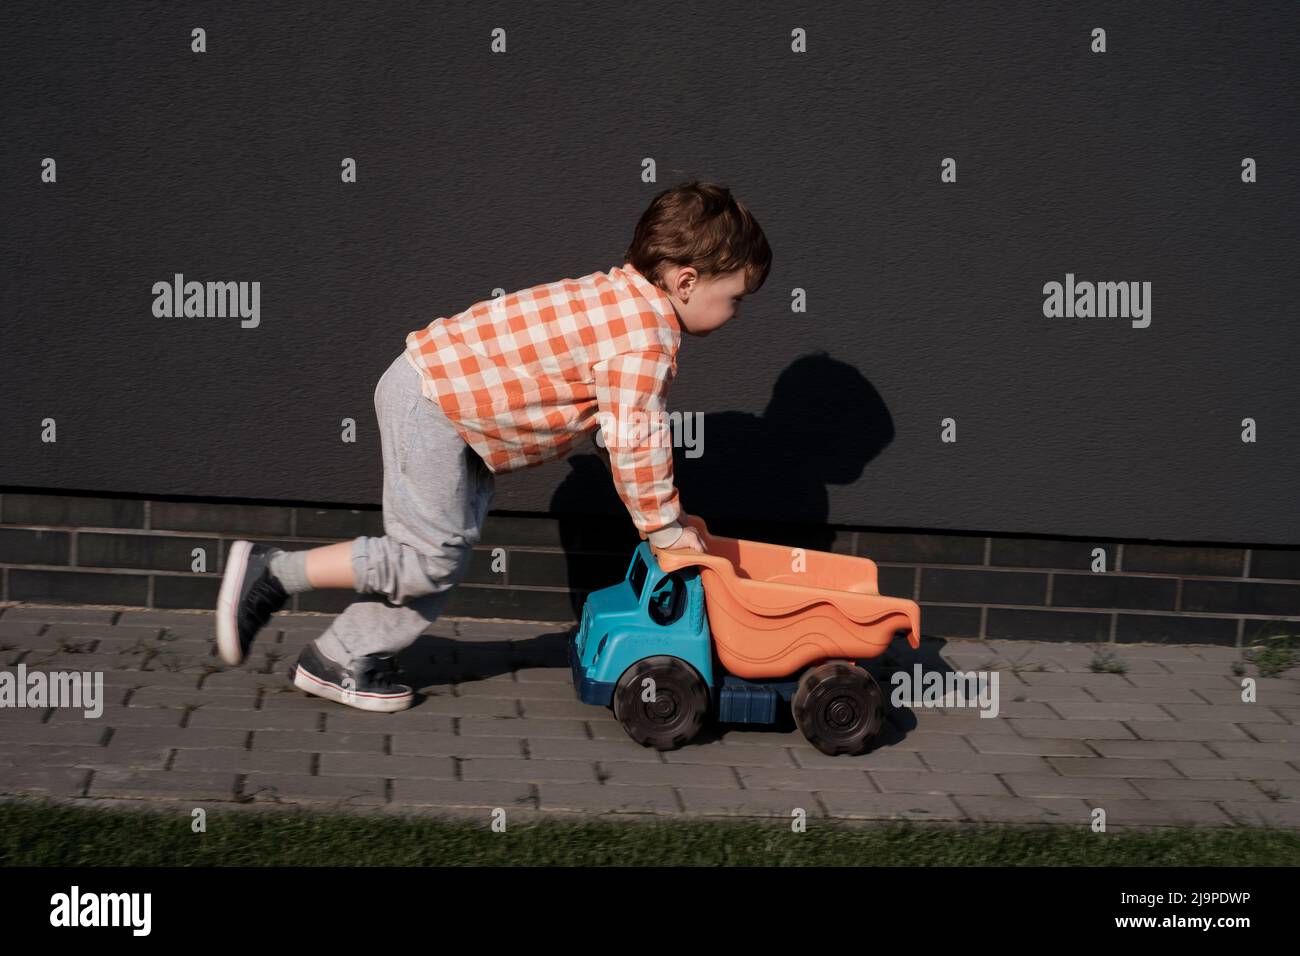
552 709
964 724
1051 693
805 778
596 798
168 717
1202 730
414 743
1274 733
158 784
297 788
1193 681
545 675
1127 693
347 720
522 727
1160 652
987 763
1088 788
1037 746
1240 768
645 774
889 806
753 735
137 678
47 614
232 760
1092 729
917 740
1070 679
1253 750
908 781
528 771
999 809
1197 667
1163 813
523 691
1112 767
457 793
311 742
1152 749
1225 713
254 720
483 707
1263 814
190 738
1236 790
155 759
55 781
239 683
1110 710
715 801
84 732
385 766
721 754
1011 707
882 758
618 751
170 697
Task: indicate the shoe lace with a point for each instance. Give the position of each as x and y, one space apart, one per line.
266 596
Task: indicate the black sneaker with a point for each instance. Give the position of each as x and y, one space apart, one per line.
250 594
366 685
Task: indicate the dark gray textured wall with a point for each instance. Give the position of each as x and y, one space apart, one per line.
479 170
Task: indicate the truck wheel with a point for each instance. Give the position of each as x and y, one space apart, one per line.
676 714
839 707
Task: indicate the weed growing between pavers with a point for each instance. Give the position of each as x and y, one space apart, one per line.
40 833
1273 653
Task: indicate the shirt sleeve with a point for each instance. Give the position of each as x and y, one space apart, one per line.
631 392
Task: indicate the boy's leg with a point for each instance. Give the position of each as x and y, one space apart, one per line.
436 495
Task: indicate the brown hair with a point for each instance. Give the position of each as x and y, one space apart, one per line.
703 226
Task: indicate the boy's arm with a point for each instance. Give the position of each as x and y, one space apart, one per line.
629 385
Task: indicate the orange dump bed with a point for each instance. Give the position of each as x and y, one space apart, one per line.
774 610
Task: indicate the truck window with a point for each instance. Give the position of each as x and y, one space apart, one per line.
668 600
638 576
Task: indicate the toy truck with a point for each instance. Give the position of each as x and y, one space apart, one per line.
686 636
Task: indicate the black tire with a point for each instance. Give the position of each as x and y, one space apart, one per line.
678 712
839 707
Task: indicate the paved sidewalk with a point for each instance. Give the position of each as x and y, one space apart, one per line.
1166 742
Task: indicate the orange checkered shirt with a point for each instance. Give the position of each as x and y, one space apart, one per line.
524 376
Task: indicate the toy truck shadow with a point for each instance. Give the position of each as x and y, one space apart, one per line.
734 634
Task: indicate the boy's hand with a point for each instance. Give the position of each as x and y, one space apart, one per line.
689 541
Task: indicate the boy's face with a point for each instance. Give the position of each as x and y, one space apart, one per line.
704 304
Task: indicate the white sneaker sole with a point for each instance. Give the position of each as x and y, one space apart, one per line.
232 582
379 703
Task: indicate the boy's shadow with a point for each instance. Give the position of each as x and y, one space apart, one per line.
761 477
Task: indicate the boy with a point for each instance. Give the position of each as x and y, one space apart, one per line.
507 384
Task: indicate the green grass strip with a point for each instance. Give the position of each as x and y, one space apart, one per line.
47 834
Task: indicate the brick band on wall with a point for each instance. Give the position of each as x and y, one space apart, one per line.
169 554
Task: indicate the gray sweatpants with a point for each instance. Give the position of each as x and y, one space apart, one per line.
437 491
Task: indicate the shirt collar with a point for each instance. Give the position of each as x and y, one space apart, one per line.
656 296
